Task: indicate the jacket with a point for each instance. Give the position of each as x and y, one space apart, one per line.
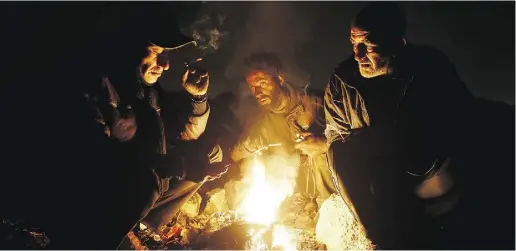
298 112
430 94
164 120
418 116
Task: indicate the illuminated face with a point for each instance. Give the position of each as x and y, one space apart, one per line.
154 64
371 62
263 86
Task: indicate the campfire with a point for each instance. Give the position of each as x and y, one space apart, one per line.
262 212
261 205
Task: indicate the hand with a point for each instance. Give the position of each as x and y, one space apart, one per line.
216 172
312 145
195 80
123 129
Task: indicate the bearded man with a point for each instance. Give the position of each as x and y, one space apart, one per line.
396 114
286 115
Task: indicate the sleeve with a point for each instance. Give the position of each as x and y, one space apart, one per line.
334 111
317 108
254 139
196 121
185 119
185 123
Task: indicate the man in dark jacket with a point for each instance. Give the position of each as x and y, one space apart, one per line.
396 117
150 132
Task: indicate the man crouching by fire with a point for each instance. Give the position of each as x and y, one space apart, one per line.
150 132
288 117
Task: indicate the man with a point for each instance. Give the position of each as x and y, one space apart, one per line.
151 133
396 115
286 115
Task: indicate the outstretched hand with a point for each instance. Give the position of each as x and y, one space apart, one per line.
195 80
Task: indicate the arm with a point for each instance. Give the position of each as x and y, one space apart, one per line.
196 122
250 141
334 111
184 118
313 142
190 107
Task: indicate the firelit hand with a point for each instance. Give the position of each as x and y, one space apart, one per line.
195 80
312 145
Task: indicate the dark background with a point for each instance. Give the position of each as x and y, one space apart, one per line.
478 37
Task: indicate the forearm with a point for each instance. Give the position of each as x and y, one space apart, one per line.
196 122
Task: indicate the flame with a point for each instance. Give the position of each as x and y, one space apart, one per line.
282 238
262 202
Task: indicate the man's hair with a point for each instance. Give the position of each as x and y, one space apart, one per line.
264 61
385 20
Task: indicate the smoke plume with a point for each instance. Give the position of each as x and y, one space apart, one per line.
208 29
278 27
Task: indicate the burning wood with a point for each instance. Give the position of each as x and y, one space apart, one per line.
261 212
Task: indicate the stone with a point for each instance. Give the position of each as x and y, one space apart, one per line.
191 208
337 228
216 202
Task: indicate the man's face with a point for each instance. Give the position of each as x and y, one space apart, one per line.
154 64
263 86
371 62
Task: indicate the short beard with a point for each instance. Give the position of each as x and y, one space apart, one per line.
376 72
384 69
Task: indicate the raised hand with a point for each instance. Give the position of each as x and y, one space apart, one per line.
195 80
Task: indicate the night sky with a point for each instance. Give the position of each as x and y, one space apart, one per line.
478 38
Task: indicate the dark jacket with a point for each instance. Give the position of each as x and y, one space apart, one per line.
164 120
387 132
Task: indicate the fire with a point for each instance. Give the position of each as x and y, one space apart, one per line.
262 202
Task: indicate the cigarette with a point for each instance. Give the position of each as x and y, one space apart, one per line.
199 59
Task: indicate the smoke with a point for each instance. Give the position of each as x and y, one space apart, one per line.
278 27
207 30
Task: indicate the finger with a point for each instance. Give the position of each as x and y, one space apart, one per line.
306 134
185 75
